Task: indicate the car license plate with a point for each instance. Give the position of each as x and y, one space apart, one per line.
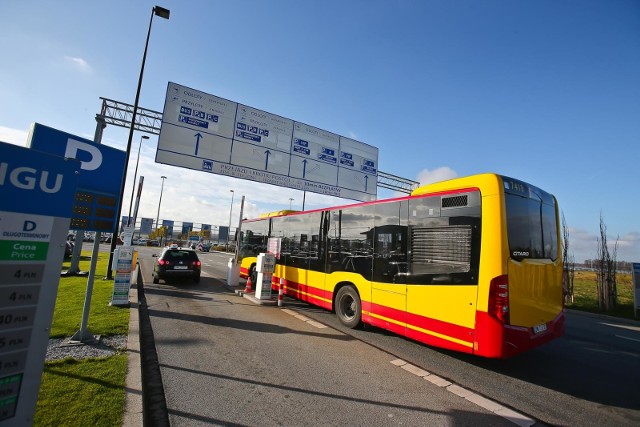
180 267
539 328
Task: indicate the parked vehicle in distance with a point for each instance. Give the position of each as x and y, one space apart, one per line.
176 262
118 242
153 243
68 250
204 247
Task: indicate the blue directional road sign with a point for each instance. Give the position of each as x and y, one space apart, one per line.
100 178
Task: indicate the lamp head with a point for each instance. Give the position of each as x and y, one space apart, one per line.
161 12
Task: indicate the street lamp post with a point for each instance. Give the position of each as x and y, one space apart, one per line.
290 200
135 176
163 13
159 202
230 211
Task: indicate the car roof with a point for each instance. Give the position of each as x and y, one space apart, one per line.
178 248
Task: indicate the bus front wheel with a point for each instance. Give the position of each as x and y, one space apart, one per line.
348 307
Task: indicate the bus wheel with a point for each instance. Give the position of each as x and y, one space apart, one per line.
348 307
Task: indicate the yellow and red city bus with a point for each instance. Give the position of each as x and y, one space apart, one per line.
471 264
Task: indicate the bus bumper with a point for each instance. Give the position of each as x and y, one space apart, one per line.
496 340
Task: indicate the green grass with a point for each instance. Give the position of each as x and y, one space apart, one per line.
586 294
88 392
82 393
103 319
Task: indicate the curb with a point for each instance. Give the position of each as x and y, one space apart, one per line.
133 409
603 316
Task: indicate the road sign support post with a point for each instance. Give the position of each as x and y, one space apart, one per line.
84 335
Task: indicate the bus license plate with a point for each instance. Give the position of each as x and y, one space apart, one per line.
539 328
180 267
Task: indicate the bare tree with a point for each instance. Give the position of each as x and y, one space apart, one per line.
607 268
568 262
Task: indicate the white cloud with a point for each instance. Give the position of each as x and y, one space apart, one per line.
442 173
13 136
79 63
583 245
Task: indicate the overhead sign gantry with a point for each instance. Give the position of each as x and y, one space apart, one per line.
212 134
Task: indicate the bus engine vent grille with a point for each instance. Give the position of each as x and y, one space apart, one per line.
455 201
441 249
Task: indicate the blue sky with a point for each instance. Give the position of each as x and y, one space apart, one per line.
545 91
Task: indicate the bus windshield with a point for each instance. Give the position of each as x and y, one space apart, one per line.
531 221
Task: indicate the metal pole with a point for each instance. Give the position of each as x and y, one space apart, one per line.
159 202
230 211
164 13
84 334
135 176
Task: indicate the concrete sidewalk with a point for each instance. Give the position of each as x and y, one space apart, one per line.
133 409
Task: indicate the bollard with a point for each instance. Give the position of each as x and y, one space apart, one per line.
280 292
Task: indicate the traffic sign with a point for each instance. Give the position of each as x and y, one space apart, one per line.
211 134
100 177
37 191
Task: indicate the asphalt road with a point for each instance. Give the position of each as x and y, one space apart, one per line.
225 360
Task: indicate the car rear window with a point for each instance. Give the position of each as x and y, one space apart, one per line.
180 254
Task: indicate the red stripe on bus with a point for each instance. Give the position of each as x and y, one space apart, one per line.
415 320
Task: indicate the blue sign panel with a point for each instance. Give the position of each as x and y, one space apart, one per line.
169 224
223 233
301 150
327 158
100 178
25 173
249 136
187 227
193 122
146 225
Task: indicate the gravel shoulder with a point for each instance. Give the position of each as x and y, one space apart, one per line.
61 348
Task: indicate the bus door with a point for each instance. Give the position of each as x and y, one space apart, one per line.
388 287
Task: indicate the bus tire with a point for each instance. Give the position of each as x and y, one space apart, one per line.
348 307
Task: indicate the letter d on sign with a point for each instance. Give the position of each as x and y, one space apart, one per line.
74 146
29 226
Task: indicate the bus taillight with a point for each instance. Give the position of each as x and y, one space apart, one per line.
499 298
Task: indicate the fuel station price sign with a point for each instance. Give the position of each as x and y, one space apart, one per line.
37 194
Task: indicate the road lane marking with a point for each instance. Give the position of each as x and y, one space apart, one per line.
627 338
488 404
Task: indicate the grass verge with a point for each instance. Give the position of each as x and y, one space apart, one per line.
585 291
82 393
91 391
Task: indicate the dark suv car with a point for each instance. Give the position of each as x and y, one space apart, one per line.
175 262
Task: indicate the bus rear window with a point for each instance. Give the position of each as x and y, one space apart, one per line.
531 224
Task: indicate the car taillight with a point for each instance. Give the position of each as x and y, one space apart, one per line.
197 263
163 262
499 298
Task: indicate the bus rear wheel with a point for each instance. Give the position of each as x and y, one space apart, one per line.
348 307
